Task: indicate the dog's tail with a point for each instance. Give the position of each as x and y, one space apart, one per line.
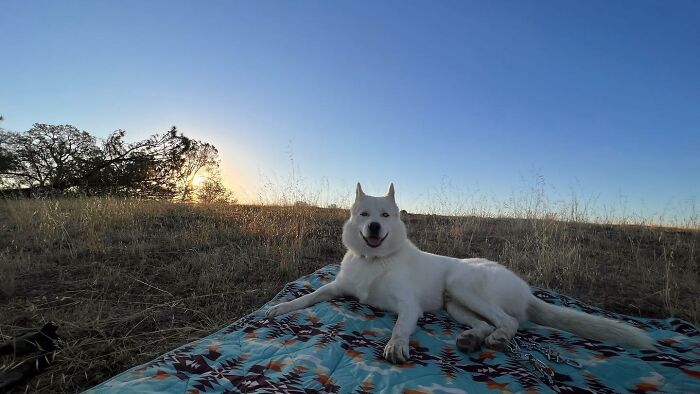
587 326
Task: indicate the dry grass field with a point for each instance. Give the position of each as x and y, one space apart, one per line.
127 280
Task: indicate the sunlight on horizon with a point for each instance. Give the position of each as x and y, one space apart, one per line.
525 200
198 180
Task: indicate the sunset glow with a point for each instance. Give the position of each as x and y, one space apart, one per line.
198 180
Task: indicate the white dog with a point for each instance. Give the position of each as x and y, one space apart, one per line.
384 269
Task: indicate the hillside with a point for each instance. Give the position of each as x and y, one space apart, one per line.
127 280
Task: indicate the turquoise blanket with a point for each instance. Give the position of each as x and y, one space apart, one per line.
336 347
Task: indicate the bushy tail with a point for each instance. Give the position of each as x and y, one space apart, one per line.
587 326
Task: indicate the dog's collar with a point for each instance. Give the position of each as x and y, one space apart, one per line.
390 255
379 257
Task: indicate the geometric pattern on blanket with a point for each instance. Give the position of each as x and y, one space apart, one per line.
336 347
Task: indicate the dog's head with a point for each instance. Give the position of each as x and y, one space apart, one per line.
374 228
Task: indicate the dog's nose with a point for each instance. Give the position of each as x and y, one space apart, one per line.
374 227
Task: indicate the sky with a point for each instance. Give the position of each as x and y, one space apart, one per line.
451 98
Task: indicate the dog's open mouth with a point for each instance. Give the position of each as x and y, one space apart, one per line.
374 241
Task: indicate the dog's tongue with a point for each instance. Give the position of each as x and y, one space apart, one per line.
374 241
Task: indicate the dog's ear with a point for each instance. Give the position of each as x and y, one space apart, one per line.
390 192
358 192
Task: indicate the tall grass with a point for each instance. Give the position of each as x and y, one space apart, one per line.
127 279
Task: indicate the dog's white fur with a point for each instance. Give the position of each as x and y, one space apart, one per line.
484 295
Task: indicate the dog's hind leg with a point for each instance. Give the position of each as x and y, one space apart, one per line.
506 325
500 337
469 340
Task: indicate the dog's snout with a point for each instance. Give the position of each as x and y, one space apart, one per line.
374 227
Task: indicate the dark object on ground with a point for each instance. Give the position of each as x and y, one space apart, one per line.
32 341
42 340
24 371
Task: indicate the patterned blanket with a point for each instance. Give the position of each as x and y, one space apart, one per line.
336 347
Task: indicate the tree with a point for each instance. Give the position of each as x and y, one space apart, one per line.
212 190
148 168
201 156
59 158
7 162
48 156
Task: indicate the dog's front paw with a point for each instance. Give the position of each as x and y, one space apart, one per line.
396 351
279 309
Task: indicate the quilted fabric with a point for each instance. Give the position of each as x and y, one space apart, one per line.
336 347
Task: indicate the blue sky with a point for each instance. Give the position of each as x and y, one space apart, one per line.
599 97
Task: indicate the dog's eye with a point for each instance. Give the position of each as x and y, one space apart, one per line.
364 214
386 215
